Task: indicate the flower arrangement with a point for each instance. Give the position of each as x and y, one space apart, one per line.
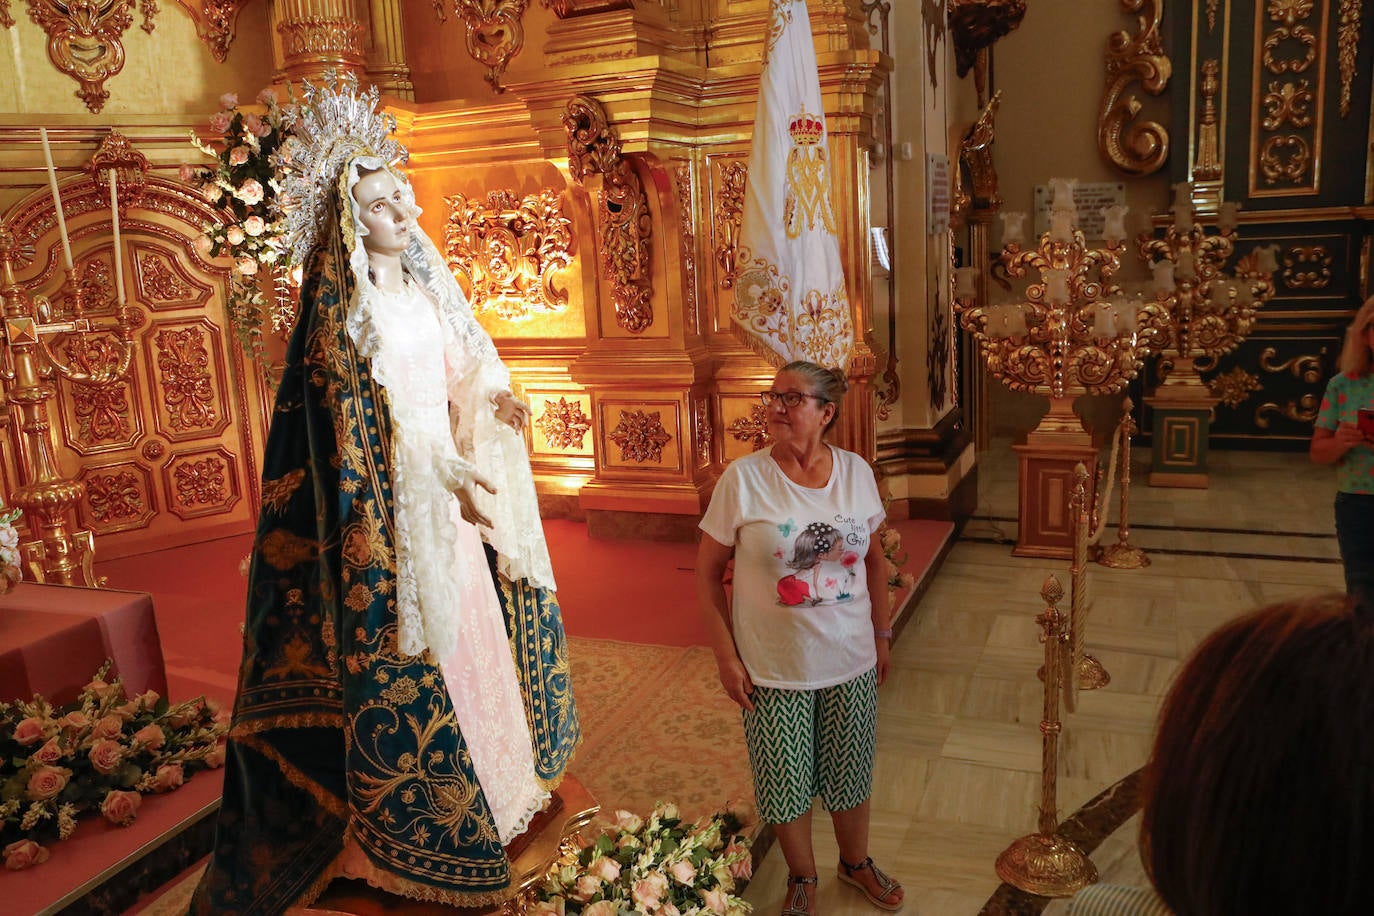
10 571
102 752
243 185
659 865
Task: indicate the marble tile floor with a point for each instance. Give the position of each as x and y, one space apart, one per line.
957 774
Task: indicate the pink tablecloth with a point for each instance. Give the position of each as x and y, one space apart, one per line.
53 638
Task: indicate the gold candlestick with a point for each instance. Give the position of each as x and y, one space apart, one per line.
57 550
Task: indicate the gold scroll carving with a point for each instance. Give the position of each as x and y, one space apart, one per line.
686 208
641 436
752 429
1347 48
130 166
623 210
1208 165
1134 147
562 424
187 392
513 251
1303 410
1212 6
1234 387
728 218
1286 143
1307 267
216 21
84 39
1306 367
493 31
115 498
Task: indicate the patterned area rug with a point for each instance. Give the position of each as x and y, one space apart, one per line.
656 726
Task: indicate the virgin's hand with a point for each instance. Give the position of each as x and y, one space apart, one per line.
884 647
512 411
467 504
736 682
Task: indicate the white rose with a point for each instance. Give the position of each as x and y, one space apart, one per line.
235 235
254 225
246 266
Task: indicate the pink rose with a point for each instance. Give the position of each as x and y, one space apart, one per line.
668 909
125 711
24 854
234 235
239 155
204 246
106 755
212 193
151 736
254 225
555 907
99 688
120 808
605 868
267 98
744 868
716 900
109 726
29 731
74 719
168 777
600 908
256 126
149 698
648 891
47 781
220 121
628 821
50 752
250 192
684 871
186 173
587 885
229 100
215 759
246 266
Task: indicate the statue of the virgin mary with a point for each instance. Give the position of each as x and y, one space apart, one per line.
404 706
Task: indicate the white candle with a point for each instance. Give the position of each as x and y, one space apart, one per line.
114 218
56 201
1013 227
1061 226
1057 286
1062 194
1114 222
965 282
1230 210
1163 272
1183 217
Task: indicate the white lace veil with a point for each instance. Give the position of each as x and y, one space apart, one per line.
478 440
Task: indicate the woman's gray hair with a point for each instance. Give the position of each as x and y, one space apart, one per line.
827 384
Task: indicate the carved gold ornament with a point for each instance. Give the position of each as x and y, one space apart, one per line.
1134 147
686 208
84 39
1234 387
1288 103
1208 165
1348 46
563 424
1289 14
201 482
701 420
752 429
728 218
1307 267
623 211
102 411
641 436
513 251
1275 166
215 21
158 283
493 30
1212 6
113 498
1303 410
1307 367
116 154
187 392
975 25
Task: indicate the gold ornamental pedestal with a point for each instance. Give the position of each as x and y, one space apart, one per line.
1181 414
1046 463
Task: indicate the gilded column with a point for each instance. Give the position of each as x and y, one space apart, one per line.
387 65
320 35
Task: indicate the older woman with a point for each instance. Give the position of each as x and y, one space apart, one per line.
1339 438
803 645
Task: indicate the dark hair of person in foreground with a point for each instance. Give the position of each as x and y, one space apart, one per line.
1259 795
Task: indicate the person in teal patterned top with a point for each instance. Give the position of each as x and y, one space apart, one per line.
1337 439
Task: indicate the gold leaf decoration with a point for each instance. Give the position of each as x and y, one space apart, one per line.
513 251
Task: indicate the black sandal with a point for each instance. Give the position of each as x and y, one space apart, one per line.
798 899
888 884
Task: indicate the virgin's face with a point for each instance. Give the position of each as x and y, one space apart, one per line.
803 424
383 212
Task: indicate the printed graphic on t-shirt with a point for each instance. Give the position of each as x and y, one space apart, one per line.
824 558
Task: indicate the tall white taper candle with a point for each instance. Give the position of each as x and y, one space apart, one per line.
56 201
114 218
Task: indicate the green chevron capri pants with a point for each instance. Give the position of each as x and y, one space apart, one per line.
804 743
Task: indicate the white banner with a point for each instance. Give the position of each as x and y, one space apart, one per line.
790 296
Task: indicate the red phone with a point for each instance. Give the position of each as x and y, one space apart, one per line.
1366 422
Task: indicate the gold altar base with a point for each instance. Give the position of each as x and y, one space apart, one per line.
528 868
1123 556
1181 416
1046 479
1048 865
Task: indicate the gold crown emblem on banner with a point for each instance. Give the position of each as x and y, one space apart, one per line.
806 130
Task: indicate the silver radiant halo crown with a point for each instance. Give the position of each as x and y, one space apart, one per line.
337 122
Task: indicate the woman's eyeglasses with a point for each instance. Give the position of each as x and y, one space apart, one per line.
789 399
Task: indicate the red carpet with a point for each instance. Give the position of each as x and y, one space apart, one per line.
633 591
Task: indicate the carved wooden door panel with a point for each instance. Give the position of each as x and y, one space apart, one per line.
168 456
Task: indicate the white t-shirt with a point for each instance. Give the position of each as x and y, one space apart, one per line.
801 613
